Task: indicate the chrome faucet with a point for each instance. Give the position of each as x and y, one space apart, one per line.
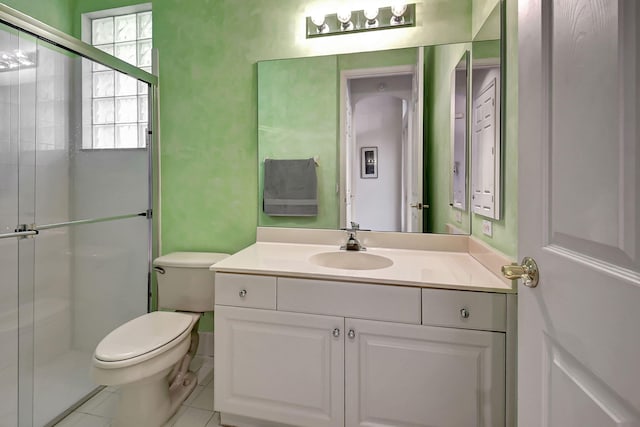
353 244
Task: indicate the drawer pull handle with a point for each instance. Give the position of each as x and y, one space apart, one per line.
351 334
243 293
336 332
464 313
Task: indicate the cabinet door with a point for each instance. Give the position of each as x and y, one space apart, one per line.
278 366
404 375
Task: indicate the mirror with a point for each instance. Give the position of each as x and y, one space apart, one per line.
387 135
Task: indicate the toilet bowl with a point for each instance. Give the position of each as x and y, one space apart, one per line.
148 357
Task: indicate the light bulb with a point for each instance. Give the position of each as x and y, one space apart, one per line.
344 16
318 19
371 13
398 10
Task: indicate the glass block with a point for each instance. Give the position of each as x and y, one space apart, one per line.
126 52
125 28
103 111
142 135
126 136
102 31
103 84
143 108
103 136
144 25
127 109
143 88
125 85
144 53
105 48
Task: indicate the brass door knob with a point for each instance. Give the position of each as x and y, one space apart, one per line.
528 272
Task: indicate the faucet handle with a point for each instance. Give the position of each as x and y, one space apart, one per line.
355 226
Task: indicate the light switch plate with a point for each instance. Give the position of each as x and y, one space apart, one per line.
458 216
487 228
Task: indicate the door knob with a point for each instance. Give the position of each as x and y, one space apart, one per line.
528 272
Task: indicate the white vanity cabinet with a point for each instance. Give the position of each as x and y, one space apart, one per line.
279 366
332 353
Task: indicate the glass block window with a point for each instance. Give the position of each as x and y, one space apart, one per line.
119 107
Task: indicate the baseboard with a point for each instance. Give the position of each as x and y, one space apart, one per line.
205 346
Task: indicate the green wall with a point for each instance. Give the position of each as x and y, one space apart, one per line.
298 119
208 51
56 13
208 78
440 61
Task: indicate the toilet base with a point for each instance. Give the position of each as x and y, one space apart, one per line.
150 403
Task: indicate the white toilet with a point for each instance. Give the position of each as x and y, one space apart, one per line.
148 357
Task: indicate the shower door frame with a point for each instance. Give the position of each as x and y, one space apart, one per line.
28 25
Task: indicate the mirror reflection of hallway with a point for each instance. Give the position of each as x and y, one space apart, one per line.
379 134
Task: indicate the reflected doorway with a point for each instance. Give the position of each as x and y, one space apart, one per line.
381 148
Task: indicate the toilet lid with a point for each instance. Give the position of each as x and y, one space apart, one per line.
142 335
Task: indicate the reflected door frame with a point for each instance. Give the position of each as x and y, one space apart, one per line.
347 151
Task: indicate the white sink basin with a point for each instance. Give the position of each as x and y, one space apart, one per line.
350 260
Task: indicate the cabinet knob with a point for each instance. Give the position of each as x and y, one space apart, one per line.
243 293
351 334
464 313
336 332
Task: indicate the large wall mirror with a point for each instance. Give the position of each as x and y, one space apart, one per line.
398 140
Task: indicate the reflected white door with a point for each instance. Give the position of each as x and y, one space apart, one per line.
579 185
484 151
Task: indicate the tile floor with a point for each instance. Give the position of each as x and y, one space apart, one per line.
196 411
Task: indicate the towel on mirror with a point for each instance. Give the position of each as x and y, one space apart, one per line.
290 188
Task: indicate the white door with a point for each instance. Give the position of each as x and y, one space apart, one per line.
421 376
579 204
484 151
281 367
413 170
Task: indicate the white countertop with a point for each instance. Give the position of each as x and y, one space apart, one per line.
421 268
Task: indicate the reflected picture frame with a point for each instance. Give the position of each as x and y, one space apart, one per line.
368 162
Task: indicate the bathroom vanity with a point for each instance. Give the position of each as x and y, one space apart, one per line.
307 335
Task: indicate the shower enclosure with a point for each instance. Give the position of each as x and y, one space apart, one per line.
75 215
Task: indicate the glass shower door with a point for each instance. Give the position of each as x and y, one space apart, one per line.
82 268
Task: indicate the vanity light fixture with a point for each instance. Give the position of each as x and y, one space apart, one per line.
346 21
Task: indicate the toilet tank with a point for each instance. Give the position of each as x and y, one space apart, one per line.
185 282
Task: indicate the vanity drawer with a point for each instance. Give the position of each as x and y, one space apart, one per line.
357 300
245 290
464 309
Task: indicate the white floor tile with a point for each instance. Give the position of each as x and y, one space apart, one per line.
214 421
204 400
194 417
175 417
193 396
78 419
102 404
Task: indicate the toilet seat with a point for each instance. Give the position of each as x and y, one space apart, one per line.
143 338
